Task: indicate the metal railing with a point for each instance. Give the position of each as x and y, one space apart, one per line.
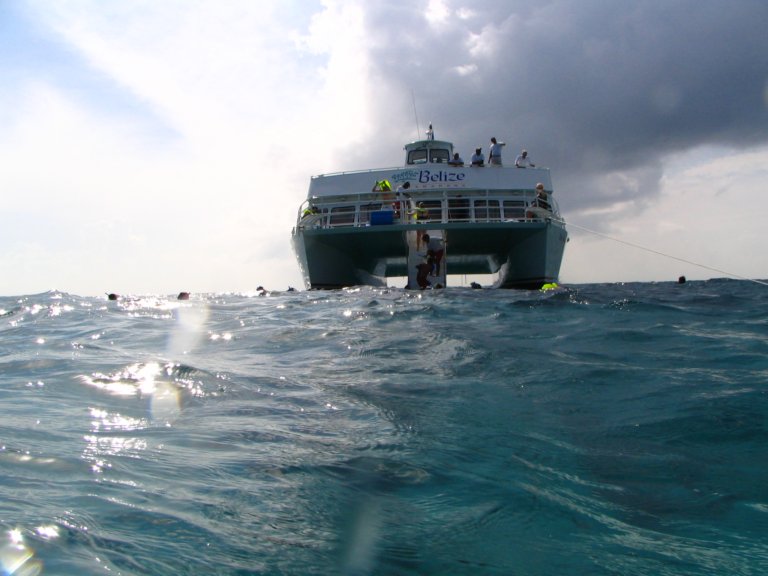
479 206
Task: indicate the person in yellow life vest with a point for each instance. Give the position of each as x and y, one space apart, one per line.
308 211
385 188
419 213
382 186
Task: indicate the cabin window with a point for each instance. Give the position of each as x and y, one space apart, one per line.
439 155
322 217
458 209
342 216
417 156
487 210
514 209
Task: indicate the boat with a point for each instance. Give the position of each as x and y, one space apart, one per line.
427 220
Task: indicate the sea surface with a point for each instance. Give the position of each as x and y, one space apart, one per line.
605 429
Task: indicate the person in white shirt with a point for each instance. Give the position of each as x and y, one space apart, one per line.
477 158
494 154
522 160
435 251
400 202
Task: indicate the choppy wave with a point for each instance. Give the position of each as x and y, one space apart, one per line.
597 429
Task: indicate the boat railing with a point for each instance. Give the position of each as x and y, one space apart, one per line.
364 171
448 207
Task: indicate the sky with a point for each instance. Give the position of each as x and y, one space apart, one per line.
153 147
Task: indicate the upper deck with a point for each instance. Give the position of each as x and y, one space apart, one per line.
450 193
433 176
427 167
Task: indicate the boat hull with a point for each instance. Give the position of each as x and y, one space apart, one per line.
518 254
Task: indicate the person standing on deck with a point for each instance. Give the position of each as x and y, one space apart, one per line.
494 154
420 214
400 200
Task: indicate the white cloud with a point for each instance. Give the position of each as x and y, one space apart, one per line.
466 69
437 12
209 204
710 212
464 13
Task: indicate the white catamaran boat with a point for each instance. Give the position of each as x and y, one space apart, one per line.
428 219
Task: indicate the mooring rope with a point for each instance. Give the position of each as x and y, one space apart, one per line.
638 246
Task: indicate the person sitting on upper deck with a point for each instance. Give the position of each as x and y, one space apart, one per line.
456 160
522 160
542 198
540 201
494 154
308 211
477 158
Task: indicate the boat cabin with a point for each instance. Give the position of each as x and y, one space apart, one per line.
428 152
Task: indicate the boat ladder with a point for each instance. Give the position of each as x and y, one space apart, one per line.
426 260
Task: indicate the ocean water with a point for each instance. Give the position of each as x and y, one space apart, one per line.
611 429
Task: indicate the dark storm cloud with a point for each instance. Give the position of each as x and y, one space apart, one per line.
600 91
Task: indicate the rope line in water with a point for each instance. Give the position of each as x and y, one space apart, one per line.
666 255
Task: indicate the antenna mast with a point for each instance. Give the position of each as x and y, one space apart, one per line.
418 132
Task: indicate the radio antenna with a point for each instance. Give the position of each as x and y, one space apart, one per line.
416 115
